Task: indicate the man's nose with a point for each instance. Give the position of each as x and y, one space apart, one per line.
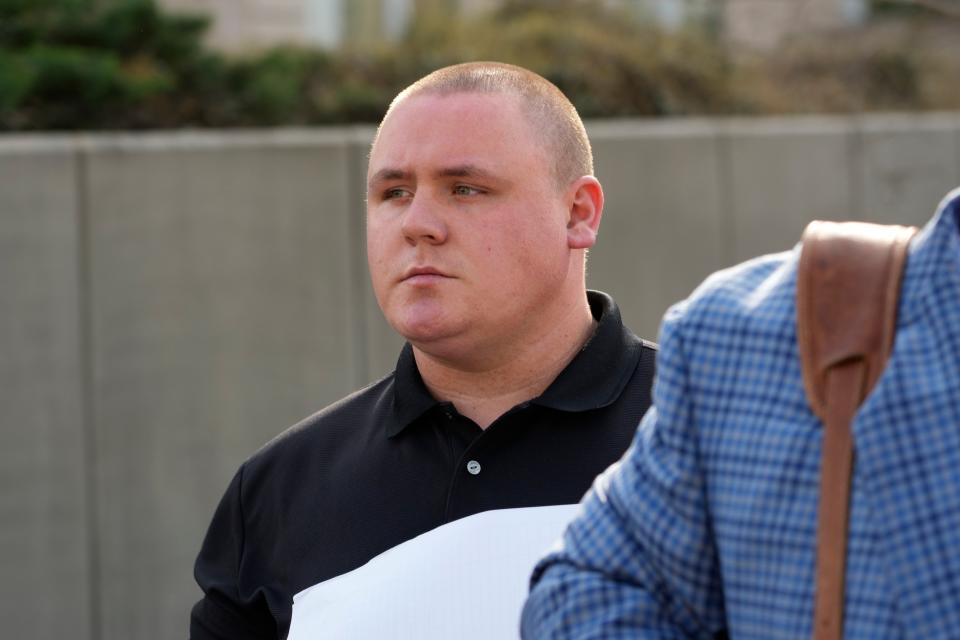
423 222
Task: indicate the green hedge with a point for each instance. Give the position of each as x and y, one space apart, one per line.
125 64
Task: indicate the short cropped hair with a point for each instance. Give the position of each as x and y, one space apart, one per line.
550 113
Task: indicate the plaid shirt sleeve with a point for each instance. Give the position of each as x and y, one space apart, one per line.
639 561
708 523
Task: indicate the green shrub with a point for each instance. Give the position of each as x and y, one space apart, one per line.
121 64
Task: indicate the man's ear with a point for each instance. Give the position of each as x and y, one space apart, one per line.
585 203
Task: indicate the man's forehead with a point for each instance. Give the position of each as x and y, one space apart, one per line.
449 124
465 107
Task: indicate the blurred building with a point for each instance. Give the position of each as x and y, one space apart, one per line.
751 23
766 23
253 24
240 25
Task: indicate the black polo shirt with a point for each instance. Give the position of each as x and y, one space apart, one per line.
390 462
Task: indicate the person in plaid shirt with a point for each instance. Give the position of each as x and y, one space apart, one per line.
706 527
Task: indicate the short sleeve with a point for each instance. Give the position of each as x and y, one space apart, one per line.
224 613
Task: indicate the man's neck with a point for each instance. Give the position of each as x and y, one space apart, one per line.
483 393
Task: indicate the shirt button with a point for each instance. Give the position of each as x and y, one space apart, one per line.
473 467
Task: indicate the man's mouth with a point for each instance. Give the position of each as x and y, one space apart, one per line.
422 275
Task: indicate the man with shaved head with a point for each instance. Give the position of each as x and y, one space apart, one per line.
516 386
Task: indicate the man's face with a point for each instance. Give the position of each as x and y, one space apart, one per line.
466 225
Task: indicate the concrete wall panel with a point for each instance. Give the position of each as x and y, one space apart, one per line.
905 164
662 230
44 543
783 173
222 315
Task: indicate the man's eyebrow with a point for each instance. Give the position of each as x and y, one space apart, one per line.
389 174
455 171
466 171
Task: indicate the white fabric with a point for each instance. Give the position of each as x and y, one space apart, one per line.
465 580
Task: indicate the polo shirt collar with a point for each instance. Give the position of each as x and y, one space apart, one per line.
597 375
411 399
593 379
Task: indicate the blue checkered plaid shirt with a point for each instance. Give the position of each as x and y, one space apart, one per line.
707 525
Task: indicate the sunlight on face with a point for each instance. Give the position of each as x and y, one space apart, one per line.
466 226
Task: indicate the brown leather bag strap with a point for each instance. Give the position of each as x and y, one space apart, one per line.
847 290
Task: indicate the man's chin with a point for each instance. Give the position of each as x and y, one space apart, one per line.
424 319
424 336
424 328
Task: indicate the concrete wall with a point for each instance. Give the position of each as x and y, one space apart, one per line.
46 559
170 302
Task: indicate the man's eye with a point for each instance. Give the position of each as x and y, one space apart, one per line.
465 190
392 194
